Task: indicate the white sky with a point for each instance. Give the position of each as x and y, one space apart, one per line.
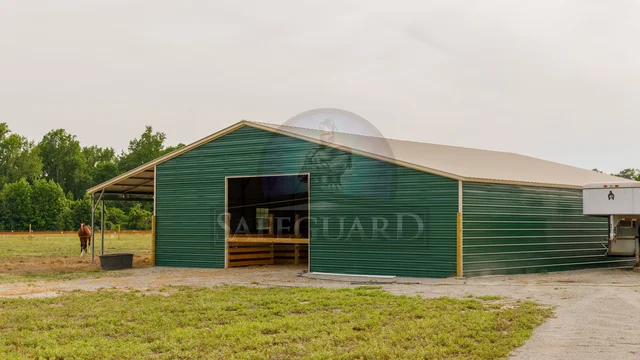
557 80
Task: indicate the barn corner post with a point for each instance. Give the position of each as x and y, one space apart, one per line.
153 240
459 267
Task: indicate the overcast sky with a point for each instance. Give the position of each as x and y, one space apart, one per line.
552 79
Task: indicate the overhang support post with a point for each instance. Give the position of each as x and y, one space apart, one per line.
93 223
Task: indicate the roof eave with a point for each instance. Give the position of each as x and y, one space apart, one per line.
278 130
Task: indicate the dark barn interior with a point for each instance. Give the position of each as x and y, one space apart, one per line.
268 220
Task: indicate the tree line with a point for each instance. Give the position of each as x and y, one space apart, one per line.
630 173
44 184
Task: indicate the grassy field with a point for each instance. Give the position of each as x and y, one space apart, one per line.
49 245
56 256
262 323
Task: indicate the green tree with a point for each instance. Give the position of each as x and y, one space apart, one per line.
63 161
139 218
148 147
114 217
101 163
80 210
49 204
104 171
94 155
17 209
630 173
18 157
66 217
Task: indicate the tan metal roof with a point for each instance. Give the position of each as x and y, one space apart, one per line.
464 163
455 162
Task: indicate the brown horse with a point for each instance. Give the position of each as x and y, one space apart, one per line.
85 237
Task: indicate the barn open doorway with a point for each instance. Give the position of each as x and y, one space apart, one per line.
267 219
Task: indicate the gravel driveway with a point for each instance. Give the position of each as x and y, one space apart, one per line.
597 311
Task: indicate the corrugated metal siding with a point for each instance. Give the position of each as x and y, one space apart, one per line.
190 194
511 229
420 199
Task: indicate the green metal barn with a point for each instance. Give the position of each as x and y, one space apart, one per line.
260 194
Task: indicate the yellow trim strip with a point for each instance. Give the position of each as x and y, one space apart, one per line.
153 240
459 272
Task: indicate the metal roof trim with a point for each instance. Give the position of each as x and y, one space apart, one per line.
279 130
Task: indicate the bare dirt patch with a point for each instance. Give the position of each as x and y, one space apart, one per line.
56 264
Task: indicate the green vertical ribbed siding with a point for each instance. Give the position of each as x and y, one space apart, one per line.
423 246
511 229
190 196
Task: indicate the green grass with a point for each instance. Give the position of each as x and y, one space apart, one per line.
56 257
262 323
69 245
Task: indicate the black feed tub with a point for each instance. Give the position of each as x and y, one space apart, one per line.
116 261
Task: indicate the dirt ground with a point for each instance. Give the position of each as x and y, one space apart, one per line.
51 264
597 312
